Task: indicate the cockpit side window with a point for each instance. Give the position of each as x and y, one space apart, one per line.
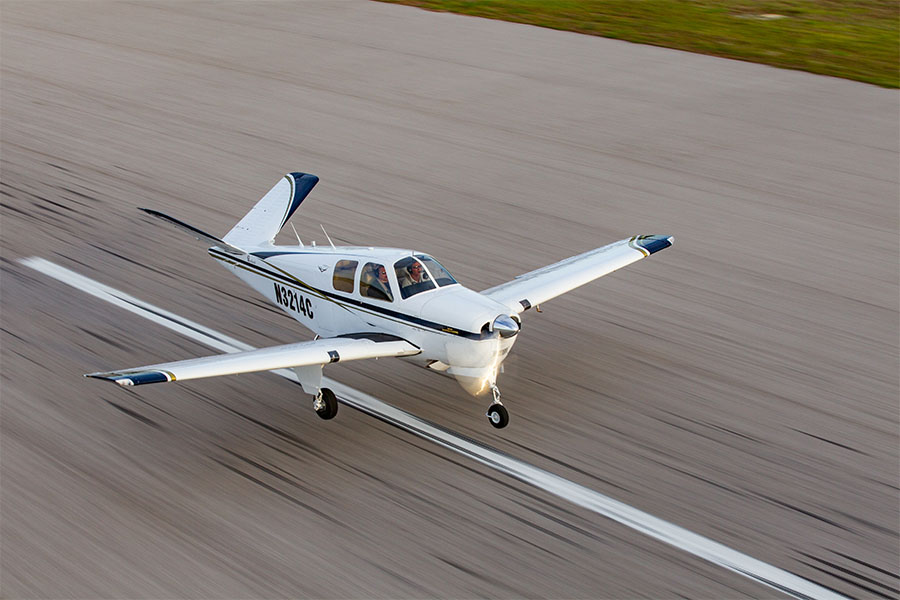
441 275
344 271
373 283
412 277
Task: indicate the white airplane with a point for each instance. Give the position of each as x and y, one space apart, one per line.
364 302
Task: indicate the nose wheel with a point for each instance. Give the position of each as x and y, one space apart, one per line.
325 404
497 414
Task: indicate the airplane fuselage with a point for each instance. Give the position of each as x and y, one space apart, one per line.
332 292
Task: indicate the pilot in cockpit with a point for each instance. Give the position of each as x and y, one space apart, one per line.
411 274
412 277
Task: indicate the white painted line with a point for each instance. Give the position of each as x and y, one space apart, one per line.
640 521
187 328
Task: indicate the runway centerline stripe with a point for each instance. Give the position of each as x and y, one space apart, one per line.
642 522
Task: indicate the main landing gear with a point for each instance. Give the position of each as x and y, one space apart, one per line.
325 404
497 414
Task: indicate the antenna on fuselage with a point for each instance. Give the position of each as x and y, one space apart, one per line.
298 236
327 237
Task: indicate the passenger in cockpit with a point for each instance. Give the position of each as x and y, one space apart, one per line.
374 283
383 285
382 277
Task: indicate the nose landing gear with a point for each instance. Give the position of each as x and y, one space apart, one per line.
325 404
497 414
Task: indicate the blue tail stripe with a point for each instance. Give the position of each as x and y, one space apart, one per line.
303 185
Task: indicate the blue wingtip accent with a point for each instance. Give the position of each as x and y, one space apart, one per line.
654 243
129 379
149 377
303 185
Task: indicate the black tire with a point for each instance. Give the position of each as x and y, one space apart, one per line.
498 416
329 411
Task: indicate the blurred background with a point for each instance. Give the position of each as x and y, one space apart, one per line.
743 384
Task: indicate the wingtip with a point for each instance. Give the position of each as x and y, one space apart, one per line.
123 381
104 376
653 243
135 378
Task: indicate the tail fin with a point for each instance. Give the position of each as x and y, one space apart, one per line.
265 220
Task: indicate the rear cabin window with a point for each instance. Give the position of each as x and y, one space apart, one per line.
373 283
344 271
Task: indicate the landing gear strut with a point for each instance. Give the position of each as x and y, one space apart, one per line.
497 414
325 404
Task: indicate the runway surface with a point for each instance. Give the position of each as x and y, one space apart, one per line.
504 463
742 385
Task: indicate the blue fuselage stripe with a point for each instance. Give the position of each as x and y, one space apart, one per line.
353 302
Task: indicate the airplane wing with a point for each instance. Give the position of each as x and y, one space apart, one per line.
317 352
548 282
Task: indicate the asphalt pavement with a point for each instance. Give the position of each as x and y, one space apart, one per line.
742 384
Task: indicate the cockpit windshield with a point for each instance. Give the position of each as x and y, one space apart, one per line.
441 275
420 273
412 277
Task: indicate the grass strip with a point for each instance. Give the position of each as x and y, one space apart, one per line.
853 39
